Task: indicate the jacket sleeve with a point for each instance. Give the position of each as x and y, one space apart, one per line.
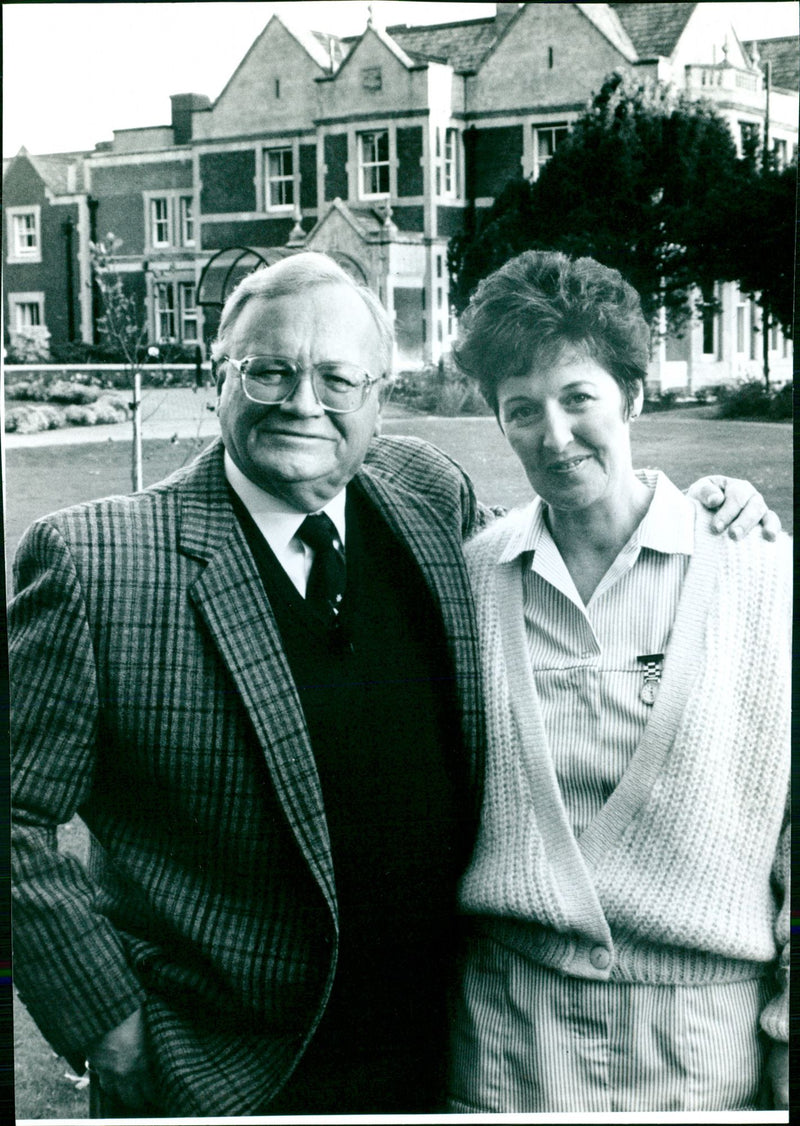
69 963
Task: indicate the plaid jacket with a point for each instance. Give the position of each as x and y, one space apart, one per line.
150 693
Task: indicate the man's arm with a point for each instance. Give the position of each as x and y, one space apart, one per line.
739 506
70 965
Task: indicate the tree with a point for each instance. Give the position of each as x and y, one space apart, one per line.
125 328
762 223
644 182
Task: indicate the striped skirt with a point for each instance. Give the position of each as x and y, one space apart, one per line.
528 1039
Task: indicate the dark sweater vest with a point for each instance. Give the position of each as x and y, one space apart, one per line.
379 702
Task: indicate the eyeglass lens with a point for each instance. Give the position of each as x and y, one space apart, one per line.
337 385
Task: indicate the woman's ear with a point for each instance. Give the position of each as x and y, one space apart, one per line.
637 404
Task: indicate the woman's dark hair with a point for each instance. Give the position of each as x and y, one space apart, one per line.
542 304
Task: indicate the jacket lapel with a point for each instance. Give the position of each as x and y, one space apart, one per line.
230 597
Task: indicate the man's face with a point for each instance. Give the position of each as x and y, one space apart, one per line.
296 450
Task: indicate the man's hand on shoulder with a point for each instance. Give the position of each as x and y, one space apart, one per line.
738 505
119 1060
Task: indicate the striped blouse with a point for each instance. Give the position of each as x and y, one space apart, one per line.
584 657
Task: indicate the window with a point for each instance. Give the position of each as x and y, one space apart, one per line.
24 236
188 305
175 312
159 221
171 219
187 220
280 179
451 162
748 137
26 310
741 311
781 150
373 156
708 314
165 311
546 139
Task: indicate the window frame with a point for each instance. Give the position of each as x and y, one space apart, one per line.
281 180
186 220
451 160
374 166
21 300
540 127
159 311
155 222
17 253
188 313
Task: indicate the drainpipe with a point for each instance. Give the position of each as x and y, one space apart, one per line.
97 310
69 230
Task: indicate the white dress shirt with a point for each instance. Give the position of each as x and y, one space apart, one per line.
279 522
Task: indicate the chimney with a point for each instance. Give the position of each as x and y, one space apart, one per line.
504 16
183 106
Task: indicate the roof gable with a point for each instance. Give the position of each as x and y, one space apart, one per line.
309 43
653 28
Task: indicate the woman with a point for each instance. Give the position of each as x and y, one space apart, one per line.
627 902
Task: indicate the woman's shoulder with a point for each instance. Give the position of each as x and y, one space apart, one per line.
753 557
493 540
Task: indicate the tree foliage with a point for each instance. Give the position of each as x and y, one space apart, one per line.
649 182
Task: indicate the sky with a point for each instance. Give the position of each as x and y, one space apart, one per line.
74 72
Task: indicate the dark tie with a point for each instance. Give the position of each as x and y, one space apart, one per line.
326 582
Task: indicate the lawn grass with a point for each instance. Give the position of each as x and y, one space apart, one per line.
41 479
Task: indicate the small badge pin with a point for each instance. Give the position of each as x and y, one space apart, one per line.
652 665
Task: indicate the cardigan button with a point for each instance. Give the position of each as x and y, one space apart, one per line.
600 958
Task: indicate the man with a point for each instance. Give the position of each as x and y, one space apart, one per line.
273 731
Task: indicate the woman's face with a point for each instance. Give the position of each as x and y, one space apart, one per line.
568 426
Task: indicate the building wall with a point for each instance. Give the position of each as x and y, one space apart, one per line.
54 279
252 104
551 55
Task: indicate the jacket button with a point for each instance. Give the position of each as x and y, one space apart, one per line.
600 958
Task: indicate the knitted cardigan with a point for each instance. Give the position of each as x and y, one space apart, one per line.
682 878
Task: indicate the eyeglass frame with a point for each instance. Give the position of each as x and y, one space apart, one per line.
299 371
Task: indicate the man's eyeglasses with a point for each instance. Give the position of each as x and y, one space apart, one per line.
339 387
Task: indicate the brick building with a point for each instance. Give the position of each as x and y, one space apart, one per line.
374 148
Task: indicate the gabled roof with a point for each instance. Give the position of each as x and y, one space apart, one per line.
54 169
784 54
463 45
654 28
607 22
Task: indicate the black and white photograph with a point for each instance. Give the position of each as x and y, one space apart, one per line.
398 541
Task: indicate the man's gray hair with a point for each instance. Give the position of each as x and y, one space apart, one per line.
293 275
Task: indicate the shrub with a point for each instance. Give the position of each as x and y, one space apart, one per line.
29 345
781 407
30 419
68 391
749 400
438 389
111 408
77 415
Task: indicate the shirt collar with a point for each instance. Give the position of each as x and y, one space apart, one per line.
667 526
276 519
